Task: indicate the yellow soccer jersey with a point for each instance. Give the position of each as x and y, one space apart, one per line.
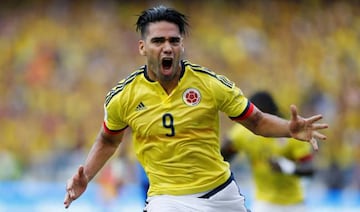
176 136
271 186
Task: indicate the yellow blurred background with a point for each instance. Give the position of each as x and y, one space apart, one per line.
59 59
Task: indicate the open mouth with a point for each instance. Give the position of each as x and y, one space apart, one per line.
166 63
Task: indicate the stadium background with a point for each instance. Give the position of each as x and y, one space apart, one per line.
59 58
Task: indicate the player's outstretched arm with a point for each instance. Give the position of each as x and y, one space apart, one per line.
306 129
268 125
104 147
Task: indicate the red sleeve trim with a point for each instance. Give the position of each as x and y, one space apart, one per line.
306 158
112 132
246 113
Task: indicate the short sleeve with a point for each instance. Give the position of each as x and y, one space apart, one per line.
112 115
298 150
230 99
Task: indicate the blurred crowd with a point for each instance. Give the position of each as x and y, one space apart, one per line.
59 59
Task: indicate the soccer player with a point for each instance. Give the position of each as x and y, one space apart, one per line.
277 164
172 107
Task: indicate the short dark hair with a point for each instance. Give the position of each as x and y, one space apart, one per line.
265 102
161 13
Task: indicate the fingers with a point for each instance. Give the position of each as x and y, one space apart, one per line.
319 126
308 127
313 141
293 112
81 170
67 200
318 135
315 118
81 173
70 192
314 144
311 120
69 189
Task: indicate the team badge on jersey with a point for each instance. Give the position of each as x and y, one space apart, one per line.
191 97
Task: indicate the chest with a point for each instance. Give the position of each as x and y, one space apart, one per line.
152 112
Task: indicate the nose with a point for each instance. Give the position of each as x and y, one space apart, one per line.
167 48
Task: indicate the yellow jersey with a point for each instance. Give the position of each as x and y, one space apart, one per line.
271 186
176 136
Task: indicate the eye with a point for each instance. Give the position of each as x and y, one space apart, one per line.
174 40
157 40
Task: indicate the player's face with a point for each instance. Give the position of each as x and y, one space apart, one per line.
163 47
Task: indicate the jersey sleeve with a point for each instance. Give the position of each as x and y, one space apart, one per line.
113 121
230 99
298 150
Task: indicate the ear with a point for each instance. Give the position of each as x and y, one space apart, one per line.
142 48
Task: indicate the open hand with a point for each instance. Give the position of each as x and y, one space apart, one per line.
75 186
306 129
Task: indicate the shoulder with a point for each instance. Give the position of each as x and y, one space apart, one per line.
124 83
198 68
205 72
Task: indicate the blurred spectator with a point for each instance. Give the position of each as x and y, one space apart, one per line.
11 170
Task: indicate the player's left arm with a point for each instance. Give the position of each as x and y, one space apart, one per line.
305 167
301 167
304 129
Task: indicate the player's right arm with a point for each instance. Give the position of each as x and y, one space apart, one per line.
104 147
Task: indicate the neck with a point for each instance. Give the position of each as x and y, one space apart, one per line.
169 85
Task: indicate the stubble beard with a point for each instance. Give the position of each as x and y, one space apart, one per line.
167 78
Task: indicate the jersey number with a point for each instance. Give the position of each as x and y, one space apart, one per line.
168 122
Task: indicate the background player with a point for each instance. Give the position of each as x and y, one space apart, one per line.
277 164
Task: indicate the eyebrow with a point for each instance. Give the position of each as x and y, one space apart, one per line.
171 39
